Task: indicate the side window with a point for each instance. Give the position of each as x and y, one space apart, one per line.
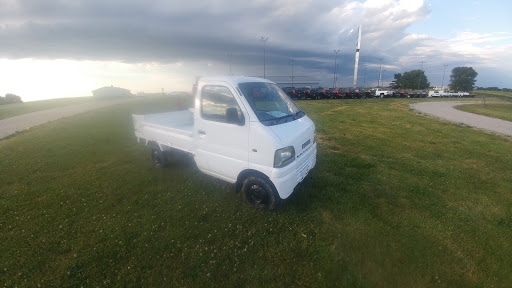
218 104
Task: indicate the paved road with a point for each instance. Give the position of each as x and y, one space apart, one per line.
11 125
446 110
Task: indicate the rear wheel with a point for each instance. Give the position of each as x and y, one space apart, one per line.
259 194
158 156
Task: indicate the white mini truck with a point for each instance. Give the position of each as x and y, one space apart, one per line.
243 130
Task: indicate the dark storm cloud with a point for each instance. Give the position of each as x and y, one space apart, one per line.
194 31
112 31
164 32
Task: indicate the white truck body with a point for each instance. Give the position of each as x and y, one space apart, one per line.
379 92
443 93
461 94
436 94
439 93
232 134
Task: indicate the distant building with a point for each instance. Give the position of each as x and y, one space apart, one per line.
111 92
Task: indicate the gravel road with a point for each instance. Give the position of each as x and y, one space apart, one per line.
14 124
446 110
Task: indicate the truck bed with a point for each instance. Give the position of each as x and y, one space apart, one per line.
169 129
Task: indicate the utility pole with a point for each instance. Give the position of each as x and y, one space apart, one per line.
264 39
442 83
364 78
380 72
335 68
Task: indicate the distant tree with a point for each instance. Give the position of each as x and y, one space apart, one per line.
396 84
10 98
463 79
415 79
493 89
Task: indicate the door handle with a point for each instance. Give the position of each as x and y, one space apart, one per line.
201 132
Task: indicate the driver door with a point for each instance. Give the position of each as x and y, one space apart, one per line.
223 132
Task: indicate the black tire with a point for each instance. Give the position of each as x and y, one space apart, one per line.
158 157
259 193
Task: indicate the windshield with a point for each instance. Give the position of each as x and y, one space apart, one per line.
271 105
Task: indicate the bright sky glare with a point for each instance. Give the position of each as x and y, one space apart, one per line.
53 49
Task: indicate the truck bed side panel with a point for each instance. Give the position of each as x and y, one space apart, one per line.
169 130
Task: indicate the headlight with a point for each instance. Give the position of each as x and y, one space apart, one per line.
284 156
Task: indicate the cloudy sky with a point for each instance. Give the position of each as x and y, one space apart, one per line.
66 48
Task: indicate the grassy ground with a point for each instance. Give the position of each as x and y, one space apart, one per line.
501 111
396 200
507 96
11 110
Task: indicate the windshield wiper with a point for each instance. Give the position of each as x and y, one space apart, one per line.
283 119
298 115
292 117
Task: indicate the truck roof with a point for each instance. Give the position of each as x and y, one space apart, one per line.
233 79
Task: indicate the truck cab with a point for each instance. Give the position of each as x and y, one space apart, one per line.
243 130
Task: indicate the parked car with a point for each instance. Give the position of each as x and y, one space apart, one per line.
322 93
403 94
370 93
355 93
383 92
303 93
290 91
335 93
345 93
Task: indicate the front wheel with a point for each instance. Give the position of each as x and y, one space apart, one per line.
259 194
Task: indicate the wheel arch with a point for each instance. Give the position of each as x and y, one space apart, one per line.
251 172
153 144
158 156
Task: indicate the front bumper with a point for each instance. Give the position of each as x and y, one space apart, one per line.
285 179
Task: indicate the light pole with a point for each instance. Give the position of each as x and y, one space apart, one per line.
442 83
364 78
264 39
335 68
380 72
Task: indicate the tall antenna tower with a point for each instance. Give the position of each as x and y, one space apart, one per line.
358 46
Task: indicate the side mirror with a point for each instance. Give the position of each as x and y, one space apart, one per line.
232 116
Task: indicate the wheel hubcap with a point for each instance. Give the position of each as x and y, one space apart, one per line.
258 195
156 158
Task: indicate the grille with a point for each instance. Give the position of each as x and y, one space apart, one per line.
303 170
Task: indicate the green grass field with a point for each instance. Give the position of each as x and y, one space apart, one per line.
397 199
495 110
507 96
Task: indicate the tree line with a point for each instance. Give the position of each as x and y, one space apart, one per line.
10 99
461 79
494 89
